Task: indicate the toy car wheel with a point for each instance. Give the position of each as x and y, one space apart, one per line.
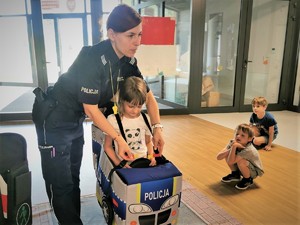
108 211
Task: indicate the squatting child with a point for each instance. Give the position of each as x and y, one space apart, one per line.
242 158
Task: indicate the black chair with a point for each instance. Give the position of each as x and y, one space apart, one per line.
15 180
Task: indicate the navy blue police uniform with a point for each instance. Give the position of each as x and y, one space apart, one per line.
60 134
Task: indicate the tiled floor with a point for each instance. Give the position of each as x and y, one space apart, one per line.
207 210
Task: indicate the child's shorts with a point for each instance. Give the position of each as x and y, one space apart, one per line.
253 172
267 138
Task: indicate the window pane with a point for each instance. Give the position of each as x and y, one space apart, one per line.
267 38
109 5
220 49
166 65
15 57
71 41
53 69
12 7
15 66
176 85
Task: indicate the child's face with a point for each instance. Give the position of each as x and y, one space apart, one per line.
257 109
131 110
242 137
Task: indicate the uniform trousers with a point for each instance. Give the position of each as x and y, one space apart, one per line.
61 142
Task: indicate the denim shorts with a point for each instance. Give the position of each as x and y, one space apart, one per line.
267 138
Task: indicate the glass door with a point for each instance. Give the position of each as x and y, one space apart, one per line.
164 54
63 42
246 53
65 28
264 62
220 55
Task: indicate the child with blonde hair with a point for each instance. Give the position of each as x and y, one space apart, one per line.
132 96
263 123
242 158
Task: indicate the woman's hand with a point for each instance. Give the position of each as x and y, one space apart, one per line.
153 111
158 140
123 149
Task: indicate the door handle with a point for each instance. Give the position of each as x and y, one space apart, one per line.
246 63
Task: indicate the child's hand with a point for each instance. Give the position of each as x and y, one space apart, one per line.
153 161
127 166
268 148
238 145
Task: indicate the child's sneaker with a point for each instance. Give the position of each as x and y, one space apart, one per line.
233 176
244 183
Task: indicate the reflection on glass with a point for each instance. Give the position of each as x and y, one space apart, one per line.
151 11
214 37
267 38
166 66
220 49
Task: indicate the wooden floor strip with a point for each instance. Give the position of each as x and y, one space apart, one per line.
192 145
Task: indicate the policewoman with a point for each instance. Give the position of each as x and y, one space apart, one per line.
88 85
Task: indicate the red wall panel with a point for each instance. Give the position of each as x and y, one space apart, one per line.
158 31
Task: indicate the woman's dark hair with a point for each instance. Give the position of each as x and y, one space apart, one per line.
123 18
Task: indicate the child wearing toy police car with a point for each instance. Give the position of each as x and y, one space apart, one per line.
242 158
132 96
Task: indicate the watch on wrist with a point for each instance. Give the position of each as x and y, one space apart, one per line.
157 125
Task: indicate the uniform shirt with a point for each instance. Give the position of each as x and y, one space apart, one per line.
135 131
88 80
264 124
